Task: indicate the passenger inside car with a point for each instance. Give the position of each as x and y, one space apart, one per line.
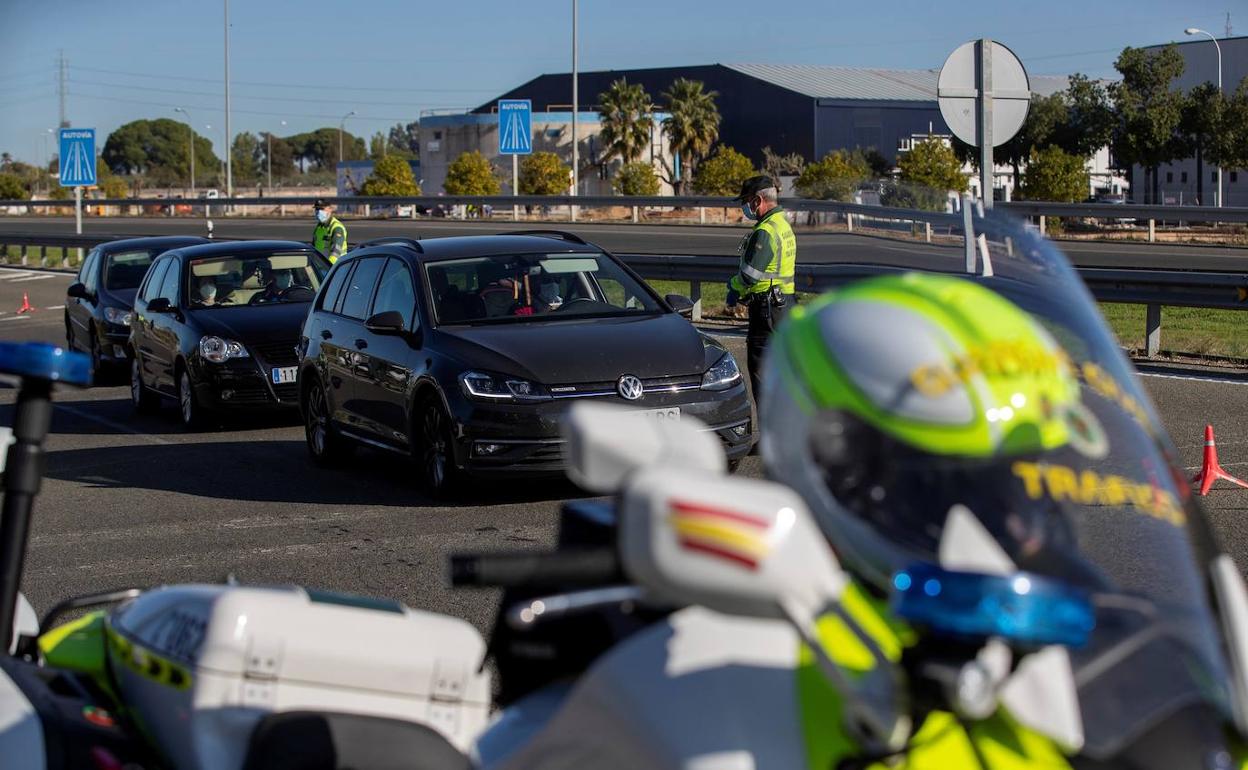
207 293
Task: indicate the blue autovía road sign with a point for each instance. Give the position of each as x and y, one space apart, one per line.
77 157
515 127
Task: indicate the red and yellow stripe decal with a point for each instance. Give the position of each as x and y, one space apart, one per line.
725 534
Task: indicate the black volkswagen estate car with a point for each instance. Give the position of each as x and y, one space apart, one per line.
99 302
216 326
464 352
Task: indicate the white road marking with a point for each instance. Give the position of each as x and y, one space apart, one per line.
117 426
15 318
33 277
55 307
1197 378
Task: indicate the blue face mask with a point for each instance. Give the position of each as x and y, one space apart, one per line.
749 212
322 216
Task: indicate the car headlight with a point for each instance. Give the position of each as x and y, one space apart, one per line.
722 375
115 315
493 387
218 350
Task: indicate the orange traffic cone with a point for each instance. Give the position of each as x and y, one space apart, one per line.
1211 471
26 307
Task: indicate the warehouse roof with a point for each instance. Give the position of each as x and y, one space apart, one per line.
867 84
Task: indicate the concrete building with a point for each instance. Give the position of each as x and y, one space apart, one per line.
444 137
810 110
1180 183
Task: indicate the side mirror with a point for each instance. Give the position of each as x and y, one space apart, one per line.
606 444
160 305
738 546
78 290
386 322
681 304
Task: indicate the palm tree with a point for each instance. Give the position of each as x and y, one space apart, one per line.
692 125
626 121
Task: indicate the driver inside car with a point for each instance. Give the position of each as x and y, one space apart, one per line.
279 281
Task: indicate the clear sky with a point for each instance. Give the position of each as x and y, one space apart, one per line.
309 62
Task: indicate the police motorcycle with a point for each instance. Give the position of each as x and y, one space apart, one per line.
980 556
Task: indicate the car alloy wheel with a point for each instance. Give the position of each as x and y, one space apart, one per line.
437 461
144 401
188 406
324 447
94 350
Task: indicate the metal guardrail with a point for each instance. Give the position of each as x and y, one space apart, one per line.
1153 288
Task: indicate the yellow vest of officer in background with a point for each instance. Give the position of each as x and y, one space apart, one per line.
783 264
324 236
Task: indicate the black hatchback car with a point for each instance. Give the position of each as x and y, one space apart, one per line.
216 326
465 352
99 302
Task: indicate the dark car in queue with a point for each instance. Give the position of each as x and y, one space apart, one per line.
99 303
216 327
465 352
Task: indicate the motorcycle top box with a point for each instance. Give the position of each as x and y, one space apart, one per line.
203 664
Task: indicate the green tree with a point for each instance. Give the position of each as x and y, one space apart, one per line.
319 148
636 179
471 174
283 160
932 164
1055 175
1204 113
247 158
1089 123
542 173
776 165
1149 112
723 173
405 139
159 149
378 146
392 176
692 126
836 177
627 121
1232 146
1046 118
12 188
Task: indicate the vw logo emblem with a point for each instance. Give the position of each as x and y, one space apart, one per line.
629 388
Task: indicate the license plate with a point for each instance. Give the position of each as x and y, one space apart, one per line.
668 413
285 374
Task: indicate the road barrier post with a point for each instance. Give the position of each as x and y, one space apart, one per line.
368 210
43 256
281 210
1152 330
23 254
849 221
927 232
695 294
701 215
1043 224
1152 230
634 215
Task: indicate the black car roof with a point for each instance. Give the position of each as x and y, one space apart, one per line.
162 242
231 248
433 249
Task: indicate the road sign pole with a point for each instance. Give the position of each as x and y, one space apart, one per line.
78 216
515 186
984 86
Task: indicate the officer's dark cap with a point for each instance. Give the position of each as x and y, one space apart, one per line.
320 204
754 185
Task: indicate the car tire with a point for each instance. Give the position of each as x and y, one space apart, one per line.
325 448
93 350
192 413
434 449
143 400
69 333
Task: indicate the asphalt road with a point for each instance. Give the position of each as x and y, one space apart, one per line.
814 247
138 501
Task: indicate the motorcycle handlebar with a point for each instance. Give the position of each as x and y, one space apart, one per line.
561 569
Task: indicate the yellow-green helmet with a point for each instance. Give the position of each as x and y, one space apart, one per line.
887 398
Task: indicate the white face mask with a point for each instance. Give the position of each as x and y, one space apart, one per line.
748 211
283 280
322 216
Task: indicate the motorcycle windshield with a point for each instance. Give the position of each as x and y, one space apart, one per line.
1132 531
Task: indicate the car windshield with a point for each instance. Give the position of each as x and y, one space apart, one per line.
533 287
254 279
125 269
1116 517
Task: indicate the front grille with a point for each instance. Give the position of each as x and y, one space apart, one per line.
544 454
652 385
277 354
248 395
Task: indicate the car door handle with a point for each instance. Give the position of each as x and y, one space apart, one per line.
360 344
326 334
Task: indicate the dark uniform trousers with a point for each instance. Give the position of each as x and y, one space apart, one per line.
767 310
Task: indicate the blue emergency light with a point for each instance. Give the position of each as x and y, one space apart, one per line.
1023 608
42 361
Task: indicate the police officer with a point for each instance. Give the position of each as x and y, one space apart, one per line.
330 235
764 279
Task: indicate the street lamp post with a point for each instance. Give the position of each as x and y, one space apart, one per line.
341 125
576 171
190 128
268 156
229 161
1195 31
